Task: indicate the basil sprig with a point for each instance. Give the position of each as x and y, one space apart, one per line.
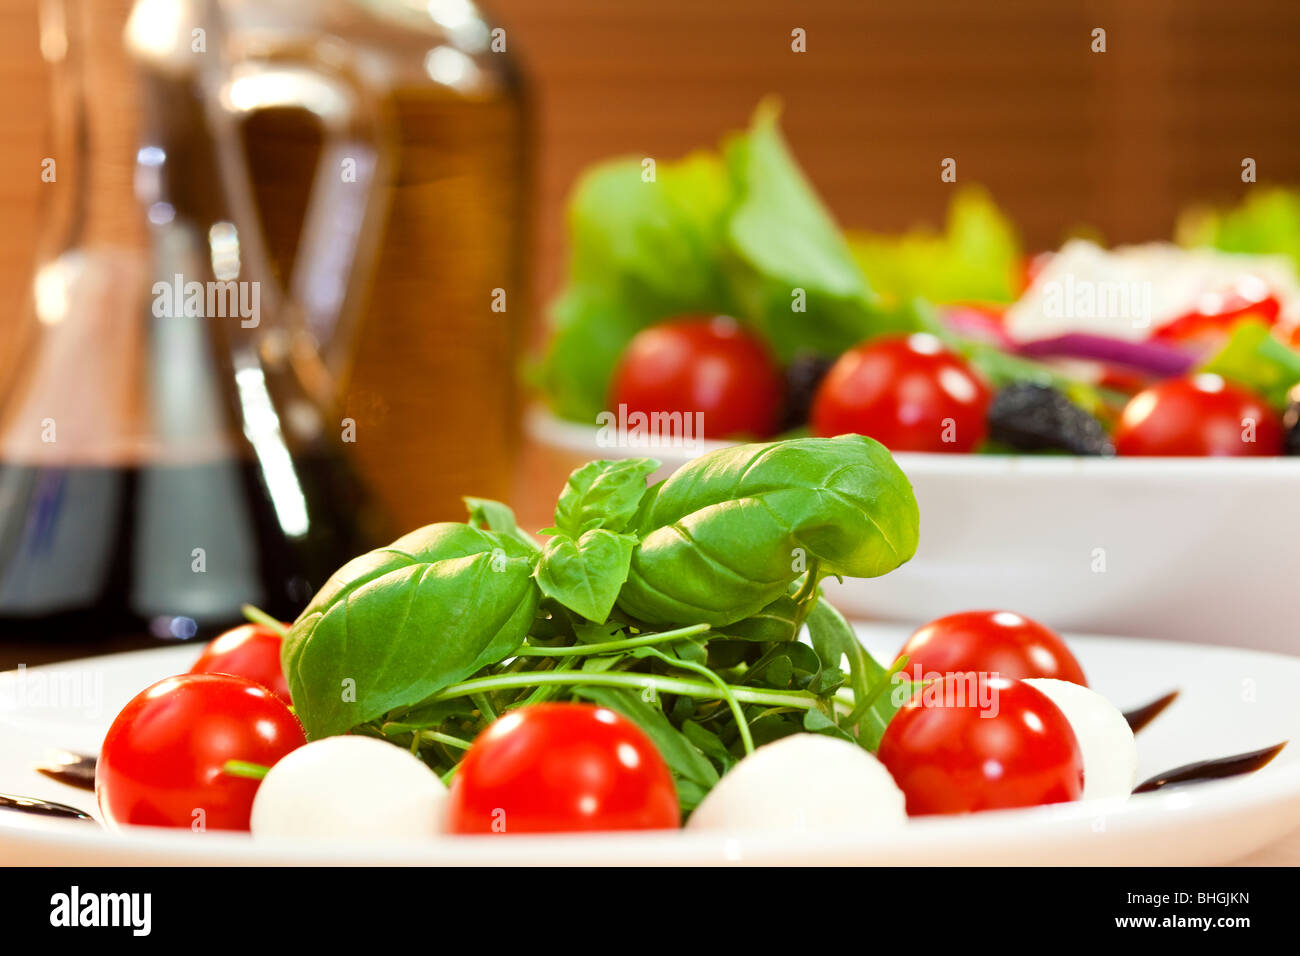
680 605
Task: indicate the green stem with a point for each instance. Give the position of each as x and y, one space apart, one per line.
610 647
741 724
809 586
448 739
484 705
886 680
802 700
242 768
258 616
805 599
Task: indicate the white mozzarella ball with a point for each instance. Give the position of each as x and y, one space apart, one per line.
349 787
803 782
1105 739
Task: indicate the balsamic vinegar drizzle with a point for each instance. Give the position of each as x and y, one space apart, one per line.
76 770
1215 769
1139 717
45 808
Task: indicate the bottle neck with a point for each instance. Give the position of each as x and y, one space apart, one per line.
95 124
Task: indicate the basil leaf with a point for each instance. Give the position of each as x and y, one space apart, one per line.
585 574
779 621
398 624
603 494
729 532
484 513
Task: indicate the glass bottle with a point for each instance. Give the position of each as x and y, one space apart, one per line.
166 445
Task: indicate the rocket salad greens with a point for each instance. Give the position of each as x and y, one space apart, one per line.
677 605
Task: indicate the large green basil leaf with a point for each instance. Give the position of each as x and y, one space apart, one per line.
728 533
398 624
585 574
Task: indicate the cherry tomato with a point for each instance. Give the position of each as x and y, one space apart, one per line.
950 751
561 767
162 761
991 642
711 366
250 650
1201 415
909 393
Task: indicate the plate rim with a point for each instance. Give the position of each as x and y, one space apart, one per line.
1146 814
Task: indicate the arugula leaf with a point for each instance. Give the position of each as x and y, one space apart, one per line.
603 494
1254 358
586 573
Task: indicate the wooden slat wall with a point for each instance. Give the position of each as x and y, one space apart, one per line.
1063 136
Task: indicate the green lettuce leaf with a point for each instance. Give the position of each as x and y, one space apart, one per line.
975 259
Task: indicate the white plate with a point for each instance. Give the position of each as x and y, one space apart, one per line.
1231 701
1194 549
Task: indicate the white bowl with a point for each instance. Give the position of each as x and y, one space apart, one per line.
1194 549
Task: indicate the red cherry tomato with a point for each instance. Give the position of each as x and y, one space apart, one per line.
951 752
250 650
909 393
162 761
1201 415
562 767
991 642
711 366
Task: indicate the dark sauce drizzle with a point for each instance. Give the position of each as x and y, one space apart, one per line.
1215 769
43 808
1139 717
76 770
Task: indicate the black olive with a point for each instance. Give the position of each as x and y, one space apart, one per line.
1031 417
802 376
1291 422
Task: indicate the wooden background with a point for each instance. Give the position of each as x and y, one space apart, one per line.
1011 90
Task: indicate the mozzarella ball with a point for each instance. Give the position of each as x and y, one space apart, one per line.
1105 740
349 787
803 782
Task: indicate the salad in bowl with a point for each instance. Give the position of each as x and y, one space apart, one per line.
1102 437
